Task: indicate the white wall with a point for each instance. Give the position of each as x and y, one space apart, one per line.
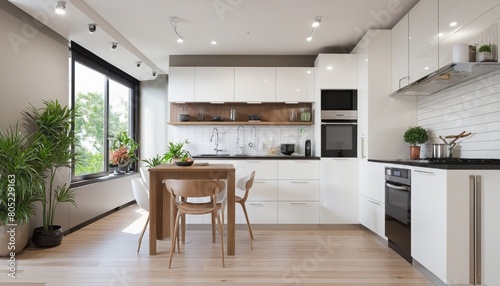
34 64
474 108
153 117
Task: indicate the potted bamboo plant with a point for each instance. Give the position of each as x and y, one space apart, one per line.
20 185
50 132
415 135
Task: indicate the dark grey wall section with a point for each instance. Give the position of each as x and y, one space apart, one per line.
241 61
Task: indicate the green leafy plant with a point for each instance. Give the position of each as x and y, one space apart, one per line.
123 149
50 133
20 182
154 161
416 135
176 152
485 48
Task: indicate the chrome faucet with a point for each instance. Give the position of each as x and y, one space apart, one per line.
215 132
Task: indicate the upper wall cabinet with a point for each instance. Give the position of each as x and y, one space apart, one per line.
255 84
295 84
214 84
423 39
181 84
336 71
400 54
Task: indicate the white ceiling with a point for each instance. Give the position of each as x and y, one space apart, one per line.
240 27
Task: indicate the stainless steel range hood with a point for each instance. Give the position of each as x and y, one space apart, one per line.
448 76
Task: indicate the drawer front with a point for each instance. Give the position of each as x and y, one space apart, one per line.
298 169
258 213
262 190
264 169
298 212
298 190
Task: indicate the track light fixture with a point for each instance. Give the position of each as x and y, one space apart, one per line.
315 24
92 28
61 7
173 23
138 64
114 45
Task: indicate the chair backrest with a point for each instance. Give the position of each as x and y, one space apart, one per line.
141 194
194 188
144 176
246 184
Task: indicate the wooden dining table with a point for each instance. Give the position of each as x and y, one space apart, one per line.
161 218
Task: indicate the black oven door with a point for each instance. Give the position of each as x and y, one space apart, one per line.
339 139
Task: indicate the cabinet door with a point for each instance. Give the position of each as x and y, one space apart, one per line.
429 219
339 192
298 190
400 54
371 180
255 84
213 84
181 84
295 84
258 213
372 215
298 170
264 169
336 71
263 190
423 39
298 212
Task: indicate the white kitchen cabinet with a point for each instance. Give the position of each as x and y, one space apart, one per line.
294 84
298 190
298 212
400 54
423 39
371 200
254 84
371 214
181 84
298 169
264 169
336 71
339 191
214 84
258 213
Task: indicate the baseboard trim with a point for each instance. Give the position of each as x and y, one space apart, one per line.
427 273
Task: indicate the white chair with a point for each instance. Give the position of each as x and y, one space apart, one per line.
145 177
141 195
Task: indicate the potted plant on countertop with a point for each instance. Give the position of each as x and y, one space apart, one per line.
484 53
177 154
49 130
415 135
20 186
123 152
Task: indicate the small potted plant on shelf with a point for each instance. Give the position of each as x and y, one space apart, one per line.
484 53
122 153
177 154
415 135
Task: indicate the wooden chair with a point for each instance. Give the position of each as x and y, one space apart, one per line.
245 184
141 195
180 191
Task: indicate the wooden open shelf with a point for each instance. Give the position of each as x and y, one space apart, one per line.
272 113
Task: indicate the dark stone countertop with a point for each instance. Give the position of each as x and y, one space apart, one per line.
248 157
447 166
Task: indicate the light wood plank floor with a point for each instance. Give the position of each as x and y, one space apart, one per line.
104 253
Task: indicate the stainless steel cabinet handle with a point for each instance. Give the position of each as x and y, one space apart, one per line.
299 182
402 188
258 182
253 162
374 202
339 123
256 205
363 142
399 84
423 172
299 204
475 230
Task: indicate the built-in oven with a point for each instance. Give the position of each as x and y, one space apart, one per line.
339 123
398 210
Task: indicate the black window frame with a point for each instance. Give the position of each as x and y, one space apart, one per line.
85 57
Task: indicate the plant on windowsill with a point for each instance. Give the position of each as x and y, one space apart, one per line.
50 133
122 153
415 135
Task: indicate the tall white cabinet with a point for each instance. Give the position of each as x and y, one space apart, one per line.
400 54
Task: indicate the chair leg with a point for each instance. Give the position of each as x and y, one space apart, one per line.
176 236
213 228
221 233
222 210
248 224
183 219
142 234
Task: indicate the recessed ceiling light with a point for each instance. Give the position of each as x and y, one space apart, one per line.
180 40
308 71
453 24
329 68
440 34
309 38
213 42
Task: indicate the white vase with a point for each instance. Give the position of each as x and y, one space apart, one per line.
18 235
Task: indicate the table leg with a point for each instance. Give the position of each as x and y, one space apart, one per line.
153 202
231 220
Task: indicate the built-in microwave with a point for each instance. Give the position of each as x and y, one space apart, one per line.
339 99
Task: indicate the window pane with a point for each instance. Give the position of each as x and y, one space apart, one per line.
89 124
119 102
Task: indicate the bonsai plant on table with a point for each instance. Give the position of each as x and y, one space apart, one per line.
50 133
123 152
415 135
20 186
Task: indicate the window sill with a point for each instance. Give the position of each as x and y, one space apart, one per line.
100 179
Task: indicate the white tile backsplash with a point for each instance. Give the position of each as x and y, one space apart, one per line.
474 108
255 140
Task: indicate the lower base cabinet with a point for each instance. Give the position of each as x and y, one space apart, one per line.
372 215
298 212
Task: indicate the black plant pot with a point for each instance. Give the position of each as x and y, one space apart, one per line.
47 238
